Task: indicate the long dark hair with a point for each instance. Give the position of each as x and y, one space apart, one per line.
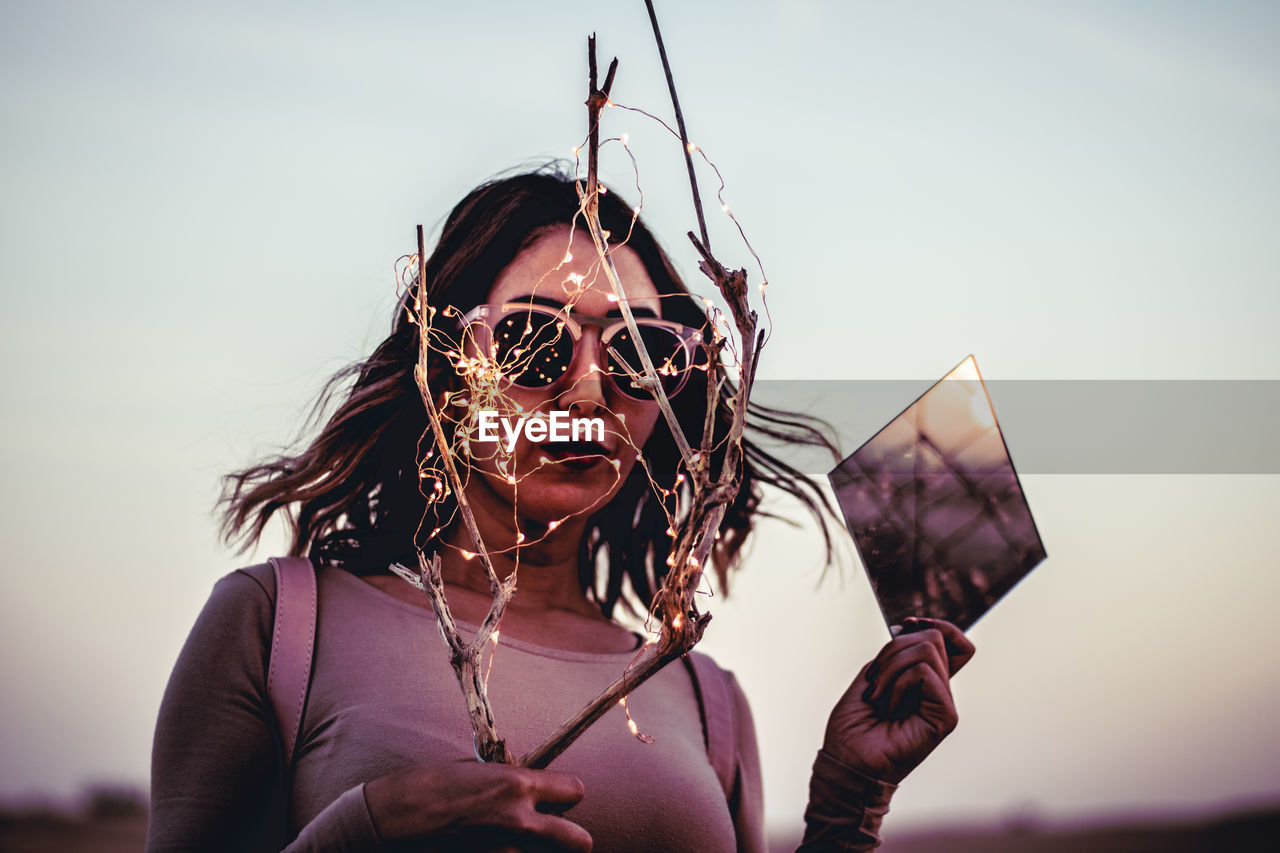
352 495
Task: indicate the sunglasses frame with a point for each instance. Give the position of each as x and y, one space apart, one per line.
488 315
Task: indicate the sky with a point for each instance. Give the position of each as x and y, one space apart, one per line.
202 206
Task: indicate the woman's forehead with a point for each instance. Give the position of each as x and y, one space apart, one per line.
566 270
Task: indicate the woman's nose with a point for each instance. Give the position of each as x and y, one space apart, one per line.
585 388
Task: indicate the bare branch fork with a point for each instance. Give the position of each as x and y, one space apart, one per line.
463 656
675 606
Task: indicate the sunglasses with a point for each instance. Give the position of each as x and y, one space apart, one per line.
531 344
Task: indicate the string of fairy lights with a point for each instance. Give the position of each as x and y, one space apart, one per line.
483 371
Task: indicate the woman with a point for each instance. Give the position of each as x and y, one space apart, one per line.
385 754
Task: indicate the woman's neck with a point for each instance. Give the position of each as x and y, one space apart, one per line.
547 564
549 608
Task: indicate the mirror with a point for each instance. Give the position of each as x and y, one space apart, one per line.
936 509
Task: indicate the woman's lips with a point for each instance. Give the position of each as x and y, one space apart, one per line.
578 455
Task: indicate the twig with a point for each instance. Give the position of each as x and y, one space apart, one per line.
653 659
464 657
675 604
596 100
712 492
648 379
684 136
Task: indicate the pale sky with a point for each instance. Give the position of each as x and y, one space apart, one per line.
201 212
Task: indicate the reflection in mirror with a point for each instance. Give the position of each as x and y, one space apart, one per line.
936 509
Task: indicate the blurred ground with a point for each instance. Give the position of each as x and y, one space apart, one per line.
1244 832
46 832
49 833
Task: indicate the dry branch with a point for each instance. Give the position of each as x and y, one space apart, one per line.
674 605
684 136
464 657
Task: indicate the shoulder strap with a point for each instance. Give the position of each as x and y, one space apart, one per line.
292 643
719 719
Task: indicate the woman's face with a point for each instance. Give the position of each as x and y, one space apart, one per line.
556 480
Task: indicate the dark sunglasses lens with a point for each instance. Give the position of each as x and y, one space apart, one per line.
670 359
533 347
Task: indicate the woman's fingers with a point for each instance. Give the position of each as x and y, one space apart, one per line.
959 649
932 644
561 832
536 813
555 789
936 705
466 805
900 707
900 655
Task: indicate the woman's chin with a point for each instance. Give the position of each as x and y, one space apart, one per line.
544 499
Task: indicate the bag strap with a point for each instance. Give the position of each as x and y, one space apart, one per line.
719 718
292 644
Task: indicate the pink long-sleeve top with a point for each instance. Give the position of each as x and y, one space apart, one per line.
384 697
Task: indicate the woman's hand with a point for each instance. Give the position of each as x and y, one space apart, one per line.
466 805
899 708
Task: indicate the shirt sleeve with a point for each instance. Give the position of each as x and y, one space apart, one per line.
845 808
217 780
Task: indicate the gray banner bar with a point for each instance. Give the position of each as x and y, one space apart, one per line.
1209 426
